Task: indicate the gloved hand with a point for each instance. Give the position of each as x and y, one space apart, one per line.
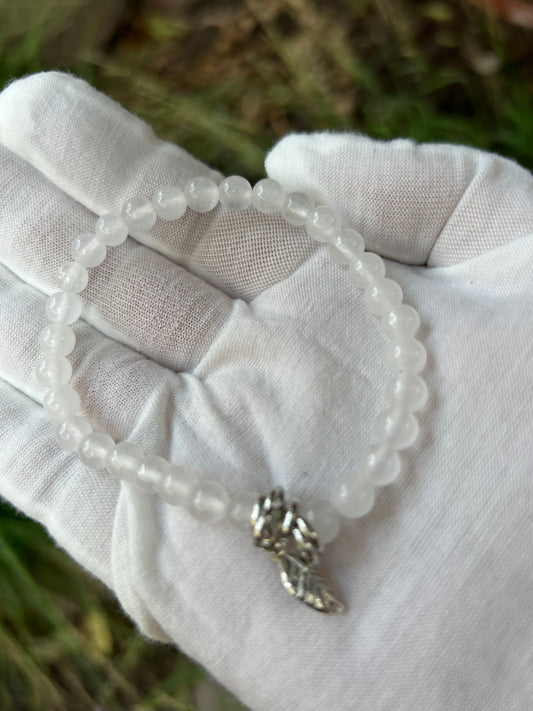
231 343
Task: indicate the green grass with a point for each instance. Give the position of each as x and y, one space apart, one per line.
226 83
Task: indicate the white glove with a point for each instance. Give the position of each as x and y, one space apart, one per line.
232 343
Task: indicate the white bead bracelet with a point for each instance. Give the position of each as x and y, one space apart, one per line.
292 536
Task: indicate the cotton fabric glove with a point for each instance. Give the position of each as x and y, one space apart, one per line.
231 343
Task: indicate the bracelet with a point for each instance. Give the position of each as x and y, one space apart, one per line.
292 535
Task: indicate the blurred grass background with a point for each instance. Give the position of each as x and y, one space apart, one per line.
225 80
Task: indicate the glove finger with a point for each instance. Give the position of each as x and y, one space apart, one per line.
433 205
100 155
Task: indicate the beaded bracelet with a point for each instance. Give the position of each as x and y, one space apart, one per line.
293 537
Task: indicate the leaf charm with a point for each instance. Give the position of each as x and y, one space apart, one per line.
307 585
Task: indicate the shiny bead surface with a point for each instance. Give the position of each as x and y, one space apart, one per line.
353 496
57 338
323 223
268 196
406 354
94 449
138 213
380 464
382 295
297 207
124 461
61 402
201 194
169 202
396 427
345 246
88 249
111 229
73 277
235 193
177 485
323 517
407 390
240 509
63 307
366 269
70 432
53 369
151 473
209 501
401 321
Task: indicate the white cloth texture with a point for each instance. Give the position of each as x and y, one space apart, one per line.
234 344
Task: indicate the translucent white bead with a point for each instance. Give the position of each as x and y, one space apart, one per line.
111 229
63 307
345 246
353 496
209 501
323 518
366 269
406 354
402 321
201 194
382 295
73 277
70 432
138 213
380 464
61 402
169 202
323 223
151 473
268 196
57 338
53 369
407 390
177 485
94 449
396 427
235 193
124 461
297 207
88 249
240 509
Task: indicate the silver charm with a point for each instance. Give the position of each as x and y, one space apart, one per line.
293 544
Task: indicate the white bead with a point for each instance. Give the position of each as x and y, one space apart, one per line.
169 202
73 277
407 390
111 229
177 485
209 501
151 473
380 464
323 223
201 194
235 193
53 369
63 307
297 207
94 449
353 496
88 249
240 509
57 338
402 321
61 402
138 213
268 196
323 518
396 427
382 295
366 269
124 461
70 432
345 246
406 354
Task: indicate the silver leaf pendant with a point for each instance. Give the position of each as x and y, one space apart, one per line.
293 544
